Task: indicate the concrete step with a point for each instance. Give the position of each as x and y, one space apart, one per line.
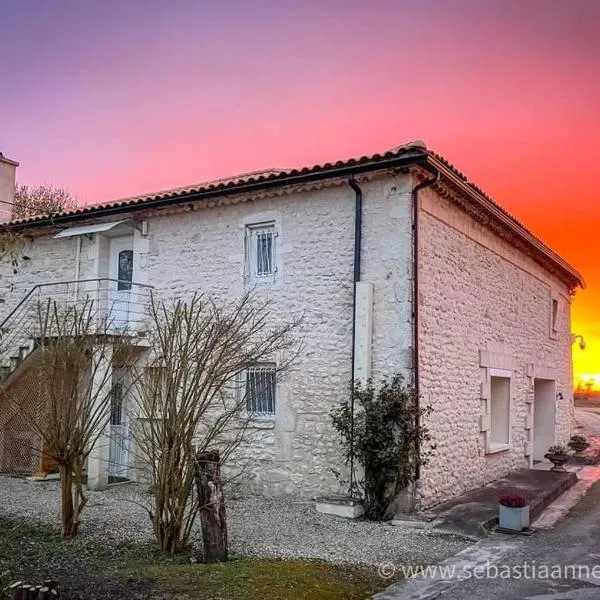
475 513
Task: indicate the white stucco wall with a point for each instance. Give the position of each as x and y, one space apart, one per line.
483 305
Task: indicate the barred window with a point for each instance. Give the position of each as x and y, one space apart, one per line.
260 390
261 250
116 404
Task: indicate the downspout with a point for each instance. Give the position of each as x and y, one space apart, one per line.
416 320
77 264
358 198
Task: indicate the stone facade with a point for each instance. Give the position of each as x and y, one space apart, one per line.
484 305
297 451
203 251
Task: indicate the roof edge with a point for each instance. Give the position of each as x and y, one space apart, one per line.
413 154
503 216
389 160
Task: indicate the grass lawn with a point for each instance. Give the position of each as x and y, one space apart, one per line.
88 571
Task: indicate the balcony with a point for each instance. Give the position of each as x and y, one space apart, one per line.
114 307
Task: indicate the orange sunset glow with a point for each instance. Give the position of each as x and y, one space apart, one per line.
115 99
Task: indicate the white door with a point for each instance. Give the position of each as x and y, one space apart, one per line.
544 417
120 273
118 458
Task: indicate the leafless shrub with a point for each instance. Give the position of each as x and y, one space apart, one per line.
69 380
190 396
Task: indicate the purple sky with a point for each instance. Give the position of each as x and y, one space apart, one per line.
111 99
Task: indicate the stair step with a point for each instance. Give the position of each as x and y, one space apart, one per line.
24 351
15 361
4 373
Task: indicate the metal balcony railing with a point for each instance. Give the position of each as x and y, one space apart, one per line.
117 307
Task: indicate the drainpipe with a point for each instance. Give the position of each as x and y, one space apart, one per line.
358 197
416 321
77 264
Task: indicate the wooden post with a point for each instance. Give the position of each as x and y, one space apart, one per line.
212 506
15 590
24 591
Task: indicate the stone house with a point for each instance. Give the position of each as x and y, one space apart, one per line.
399 264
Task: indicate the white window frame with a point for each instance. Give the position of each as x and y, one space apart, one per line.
252 235
260 415
494 446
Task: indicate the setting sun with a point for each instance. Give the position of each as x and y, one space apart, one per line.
587 381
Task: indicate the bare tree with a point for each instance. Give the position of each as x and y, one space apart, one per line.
41 200
190 405
66 394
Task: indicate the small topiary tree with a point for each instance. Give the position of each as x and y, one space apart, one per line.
386 439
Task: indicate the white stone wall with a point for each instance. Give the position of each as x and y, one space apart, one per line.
204 251
483 304
49 260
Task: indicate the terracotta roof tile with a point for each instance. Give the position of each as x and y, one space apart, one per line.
416 150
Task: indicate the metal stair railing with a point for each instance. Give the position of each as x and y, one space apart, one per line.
121 311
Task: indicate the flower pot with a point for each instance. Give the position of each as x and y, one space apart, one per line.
579 447
558 460
515 519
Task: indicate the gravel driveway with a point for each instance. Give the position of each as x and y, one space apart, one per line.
280 528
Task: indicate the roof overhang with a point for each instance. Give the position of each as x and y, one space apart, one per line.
413 155
89 229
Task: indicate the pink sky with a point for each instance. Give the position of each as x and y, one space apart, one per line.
115 99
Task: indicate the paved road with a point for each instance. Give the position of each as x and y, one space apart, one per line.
574 542
590 419
554 564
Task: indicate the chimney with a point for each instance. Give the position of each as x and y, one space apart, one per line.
8 170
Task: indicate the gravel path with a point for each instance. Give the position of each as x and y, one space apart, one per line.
264 527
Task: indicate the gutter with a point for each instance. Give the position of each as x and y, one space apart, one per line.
416 316
358 198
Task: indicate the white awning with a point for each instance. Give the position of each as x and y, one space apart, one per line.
88 229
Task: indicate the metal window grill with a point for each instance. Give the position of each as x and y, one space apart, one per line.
116 404
264 247
260 390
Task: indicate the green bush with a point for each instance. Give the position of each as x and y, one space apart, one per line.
387 440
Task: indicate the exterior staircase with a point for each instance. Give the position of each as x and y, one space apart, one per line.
119 307
10 365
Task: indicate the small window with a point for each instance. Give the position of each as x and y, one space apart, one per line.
499 434
554 315
116 404
125 273
260 390
260 252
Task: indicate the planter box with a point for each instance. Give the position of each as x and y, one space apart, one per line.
340 506
516 519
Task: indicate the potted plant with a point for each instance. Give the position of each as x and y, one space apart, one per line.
558 456
578 443
514 512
